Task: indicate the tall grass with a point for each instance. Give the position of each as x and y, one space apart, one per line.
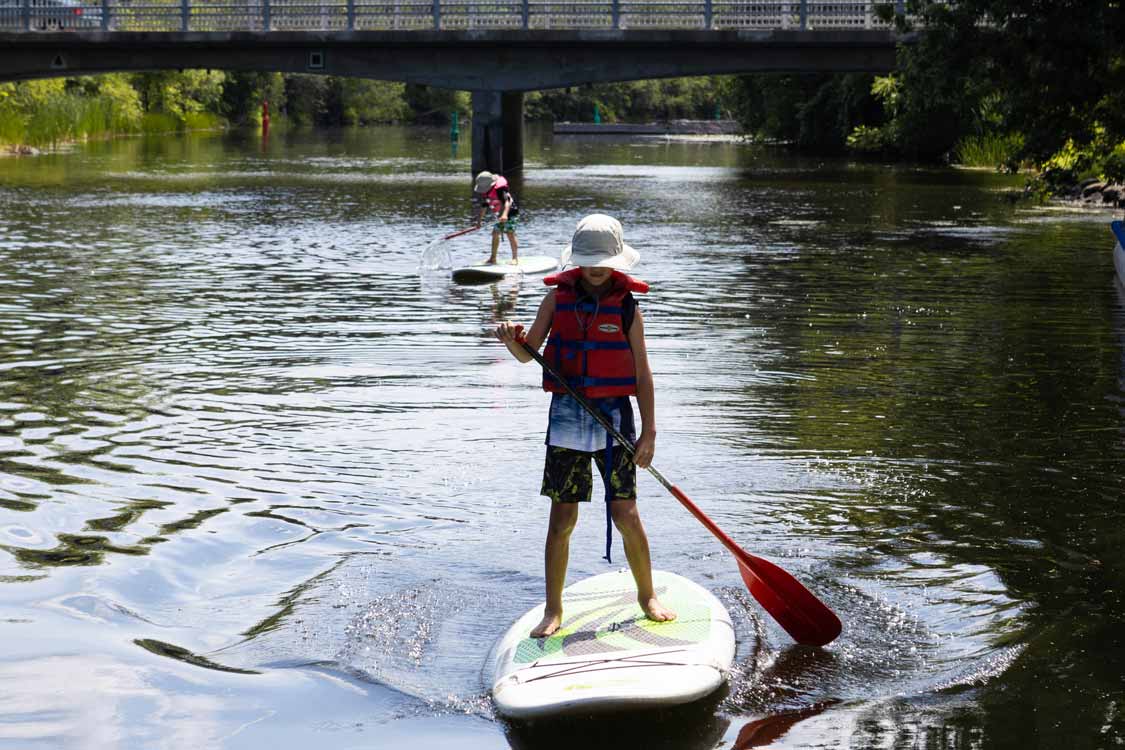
13 124
203 121
159 122
48 116
61 119
989 150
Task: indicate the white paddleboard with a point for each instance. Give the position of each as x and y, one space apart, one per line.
484 272
608 656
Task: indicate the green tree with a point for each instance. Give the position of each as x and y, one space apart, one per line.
433 104
306 99
365 101
181 93
632 101
815 112
243 94
1050 70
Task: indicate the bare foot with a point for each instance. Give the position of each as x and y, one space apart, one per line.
656 611
548 625
490 262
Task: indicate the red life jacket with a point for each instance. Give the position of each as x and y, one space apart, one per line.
588 344
492 196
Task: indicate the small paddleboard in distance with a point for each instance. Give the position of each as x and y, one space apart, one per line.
608 656
479 273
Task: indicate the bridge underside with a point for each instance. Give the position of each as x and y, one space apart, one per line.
495 65
466 60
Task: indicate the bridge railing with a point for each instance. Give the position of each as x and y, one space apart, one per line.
347 15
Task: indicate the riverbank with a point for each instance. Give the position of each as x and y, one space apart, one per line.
1095 193
19 150
25 149
668 127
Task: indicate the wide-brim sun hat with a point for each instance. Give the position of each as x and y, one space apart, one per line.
597 242
484 182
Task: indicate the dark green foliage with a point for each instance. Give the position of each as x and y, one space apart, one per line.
1114 165
243 94
1049 70
816 112
635 101
938 89
429 104
1022 81
306 100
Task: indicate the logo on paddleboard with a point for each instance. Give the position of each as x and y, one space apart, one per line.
609 328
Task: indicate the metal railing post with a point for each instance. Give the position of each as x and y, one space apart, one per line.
804 15
437 15
708 13
267 22
526 10
351 15
185 15
615 13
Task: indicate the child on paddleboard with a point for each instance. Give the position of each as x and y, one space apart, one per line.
497 197
597 342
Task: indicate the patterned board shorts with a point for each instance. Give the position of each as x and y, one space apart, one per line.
567 477
507 227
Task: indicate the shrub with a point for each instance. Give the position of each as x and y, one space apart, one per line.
989 150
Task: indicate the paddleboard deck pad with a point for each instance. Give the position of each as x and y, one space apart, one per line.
481 273
608 656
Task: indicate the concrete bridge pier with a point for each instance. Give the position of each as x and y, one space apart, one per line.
497 131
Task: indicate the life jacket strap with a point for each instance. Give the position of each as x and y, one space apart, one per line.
586 382
590 307
585 346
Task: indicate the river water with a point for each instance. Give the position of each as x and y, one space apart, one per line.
262 483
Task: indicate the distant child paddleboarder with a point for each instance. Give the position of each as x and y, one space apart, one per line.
596 340
497 197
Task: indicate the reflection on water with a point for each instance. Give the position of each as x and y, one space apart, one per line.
683 728
247 449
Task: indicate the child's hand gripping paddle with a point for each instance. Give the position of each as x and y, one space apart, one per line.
807 619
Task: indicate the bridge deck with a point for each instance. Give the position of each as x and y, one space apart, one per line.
30 16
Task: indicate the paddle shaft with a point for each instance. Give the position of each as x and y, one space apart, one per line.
463 231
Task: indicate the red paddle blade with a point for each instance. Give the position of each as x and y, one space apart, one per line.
803 616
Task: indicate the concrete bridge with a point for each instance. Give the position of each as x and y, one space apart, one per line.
497 49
